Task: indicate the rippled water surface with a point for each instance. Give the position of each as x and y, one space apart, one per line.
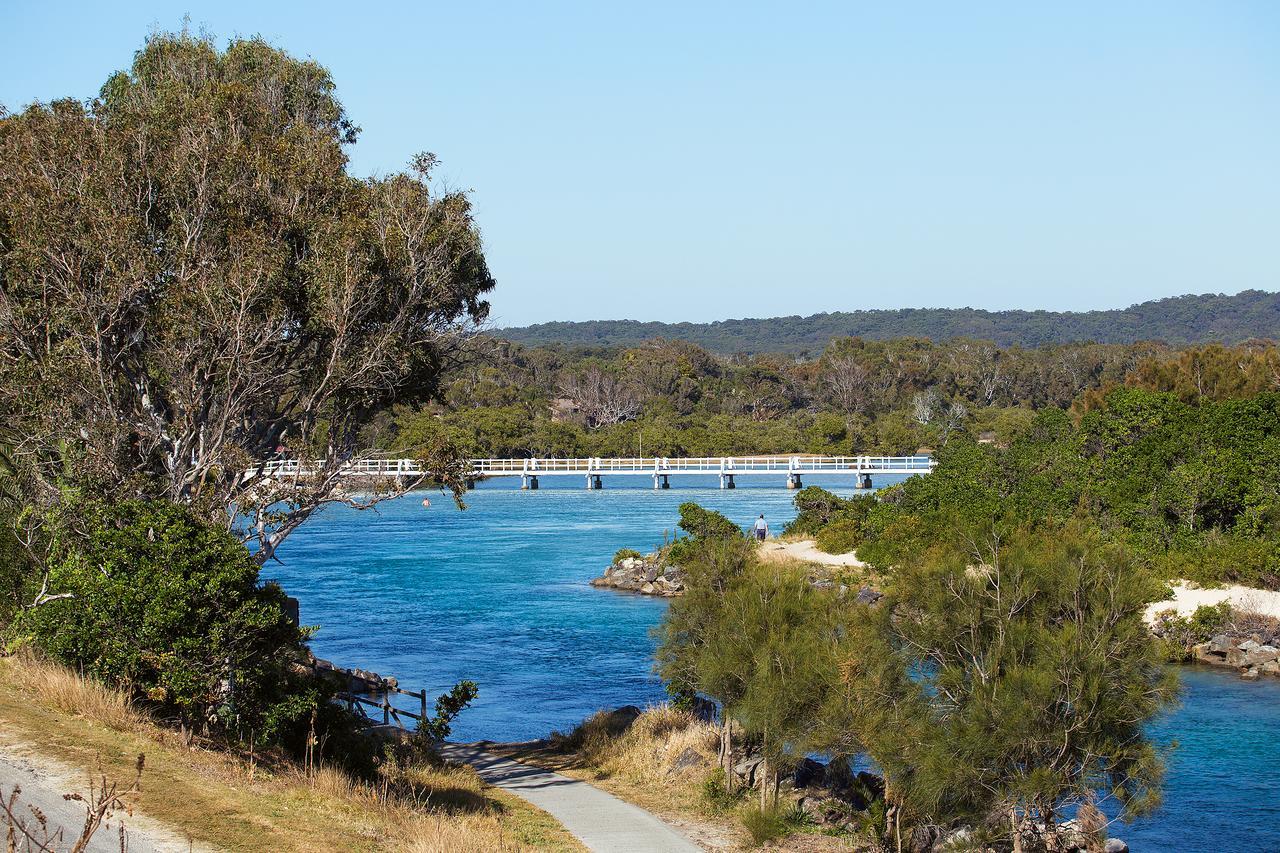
499 594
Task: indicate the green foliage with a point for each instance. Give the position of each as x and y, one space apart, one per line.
717 796
171 608
765 825
626 554
815 507
1032 674
706 523
1180 633
841 536
448 706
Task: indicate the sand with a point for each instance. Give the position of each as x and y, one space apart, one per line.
1187 597
806 551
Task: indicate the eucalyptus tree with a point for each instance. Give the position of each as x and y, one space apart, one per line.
191 284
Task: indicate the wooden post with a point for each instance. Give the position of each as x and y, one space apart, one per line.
423 696
386 711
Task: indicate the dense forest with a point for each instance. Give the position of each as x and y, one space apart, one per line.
673 398
1178 320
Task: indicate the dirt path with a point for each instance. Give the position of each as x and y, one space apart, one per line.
599 820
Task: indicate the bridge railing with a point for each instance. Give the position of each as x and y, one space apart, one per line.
803 463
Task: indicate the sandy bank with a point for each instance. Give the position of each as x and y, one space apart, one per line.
806 551
1186 598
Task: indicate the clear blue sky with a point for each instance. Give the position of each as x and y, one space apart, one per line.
698 161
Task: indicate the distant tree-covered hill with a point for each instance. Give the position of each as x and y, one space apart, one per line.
1178 320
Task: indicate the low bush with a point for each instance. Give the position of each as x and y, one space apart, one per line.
703 523
840 536
170 608
765 825
718 798
626 554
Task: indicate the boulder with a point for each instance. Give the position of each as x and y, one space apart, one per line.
1260 654
868 596
1250 674
746 769
686 760
809 773
1220 644
1115 845
923 838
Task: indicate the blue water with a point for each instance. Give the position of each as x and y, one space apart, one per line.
498 594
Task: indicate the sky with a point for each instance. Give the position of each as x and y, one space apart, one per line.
703 161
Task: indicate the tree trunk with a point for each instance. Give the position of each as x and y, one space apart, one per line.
728 755
1017 829
764 783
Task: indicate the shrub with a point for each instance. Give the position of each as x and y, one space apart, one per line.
764 825
626 554
815 507
718 799
166 606
840 536
706 523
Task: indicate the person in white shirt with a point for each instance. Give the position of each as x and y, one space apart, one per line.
761 528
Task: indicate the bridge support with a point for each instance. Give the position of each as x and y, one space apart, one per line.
864 481
529 482
594 482
470 483
726 481
793 481
661 481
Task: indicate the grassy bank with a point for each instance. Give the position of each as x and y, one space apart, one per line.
244 802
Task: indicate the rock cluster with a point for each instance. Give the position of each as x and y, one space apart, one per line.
360 681
835 796
1251 656
646 575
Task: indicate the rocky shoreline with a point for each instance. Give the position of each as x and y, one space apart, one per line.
1250 657
652 575
647 575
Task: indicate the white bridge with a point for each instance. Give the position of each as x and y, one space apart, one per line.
593 470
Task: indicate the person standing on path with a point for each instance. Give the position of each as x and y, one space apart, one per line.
761 529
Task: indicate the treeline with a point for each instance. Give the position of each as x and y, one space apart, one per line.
674 398
1190 488
1204 318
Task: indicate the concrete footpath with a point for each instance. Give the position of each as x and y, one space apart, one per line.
43 784
599 820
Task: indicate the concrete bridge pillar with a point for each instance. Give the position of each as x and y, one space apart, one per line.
661 481
793 480
529 482
864 481
594 482
726 481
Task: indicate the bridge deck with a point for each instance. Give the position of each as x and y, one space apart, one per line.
785 464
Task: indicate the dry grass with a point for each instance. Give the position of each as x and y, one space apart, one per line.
217 799
646 750
71 693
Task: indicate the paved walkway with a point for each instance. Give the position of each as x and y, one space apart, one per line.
599 820
43 784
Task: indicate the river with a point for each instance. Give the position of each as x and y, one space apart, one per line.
498 594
